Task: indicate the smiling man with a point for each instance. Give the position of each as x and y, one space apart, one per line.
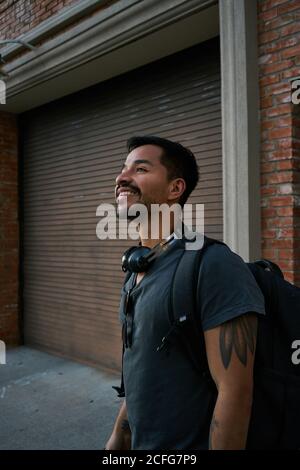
143 181
168 404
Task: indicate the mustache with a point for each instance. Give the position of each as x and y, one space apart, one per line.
127 186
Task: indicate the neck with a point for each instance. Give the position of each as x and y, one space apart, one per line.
146 237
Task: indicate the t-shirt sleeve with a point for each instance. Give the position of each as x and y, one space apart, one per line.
226 288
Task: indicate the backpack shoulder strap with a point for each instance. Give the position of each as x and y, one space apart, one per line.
184 304
121 389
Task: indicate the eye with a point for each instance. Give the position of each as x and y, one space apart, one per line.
141 169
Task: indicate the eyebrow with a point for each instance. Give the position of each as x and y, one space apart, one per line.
138 162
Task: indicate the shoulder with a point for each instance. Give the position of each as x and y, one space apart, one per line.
221 257
226 287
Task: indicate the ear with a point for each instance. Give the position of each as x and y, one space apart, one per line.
176 189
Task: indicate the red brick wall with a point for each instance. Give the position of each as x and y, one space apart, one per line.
279 61
9 231
19 16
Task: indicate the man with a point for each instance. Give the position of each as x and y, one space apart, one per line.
168 405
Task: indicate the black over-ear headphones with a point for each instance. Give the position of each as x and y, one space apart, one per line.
137 259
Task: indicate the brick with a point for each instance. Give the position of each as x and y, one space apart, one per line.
277 67
284 121
268 191
264 81
269 233
290 29
278 110
267 15
265 224
282 98
268 36
268 124
284 143
266 102
279 88
267 146
286 188
285 211
289 6
282 201
287 265
276 243
268 4
277 177
281 222
273 47
268 167
270 254
267 212
290 52
280 132
292 73
285 165
270 58
264 135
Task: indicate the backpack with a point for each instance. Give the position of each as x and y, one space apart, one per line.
275 416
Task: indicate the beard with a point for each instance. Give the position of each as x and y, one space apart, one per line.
123 210
123 213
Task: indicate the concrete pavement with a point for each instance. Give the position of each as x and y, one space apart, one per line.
47 402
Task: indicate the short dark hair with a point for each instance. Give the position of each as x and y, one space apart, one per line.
179 161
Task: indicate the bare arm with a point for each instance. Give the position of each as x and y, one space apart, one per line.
230 351
120 438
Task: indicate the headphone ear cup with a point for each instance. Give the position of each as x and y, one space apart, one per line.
137 261
125 258
134 259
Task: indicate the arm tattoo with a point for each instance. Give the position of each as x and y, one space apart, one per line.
125 425
238 335
213 425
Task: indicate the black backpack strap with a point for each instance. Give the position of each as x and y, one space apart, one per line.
184 309
121 389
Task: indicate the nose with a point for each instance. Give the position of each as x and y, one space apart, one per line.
123 178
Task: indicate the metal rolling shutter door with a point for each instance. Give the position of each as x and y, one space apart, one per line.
73 149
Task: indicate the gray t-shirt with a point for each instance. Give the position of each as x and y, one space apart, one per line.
169 404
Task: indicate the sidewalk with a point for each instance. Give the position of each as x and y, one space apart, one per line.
51 403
